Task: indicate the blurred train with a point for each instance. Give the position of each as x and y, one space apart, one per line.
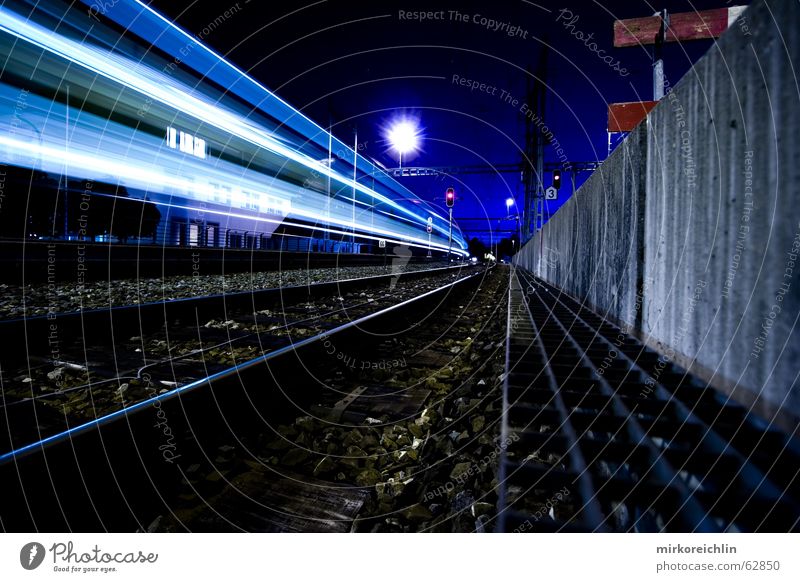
117 125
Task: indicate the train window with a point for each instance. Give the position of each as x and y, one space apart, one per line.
187 143
251 200
228 195
234 240
211 235
194 234
200 148
216 187
179 231
172 137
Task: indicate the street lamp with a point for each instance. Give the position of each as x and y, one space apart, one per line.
509 203
404 136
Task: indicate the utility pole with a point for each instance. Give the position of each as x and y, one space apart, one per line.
535 141
658 57
527 164
541 94
326 234
355 177
66 168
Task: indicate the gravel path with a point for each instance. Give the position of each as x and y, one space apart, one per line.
18 301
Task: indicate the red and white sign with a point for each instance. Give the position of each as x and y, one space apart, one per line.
626 116
682 26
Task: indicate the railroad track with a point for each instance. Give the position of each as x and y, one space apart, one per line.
610 436
75 367
215 442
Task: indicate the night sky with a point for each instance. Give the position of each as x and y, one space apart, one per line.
358 65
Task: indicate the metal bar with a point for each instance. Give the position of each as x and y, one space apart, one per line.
658 56
523 327
428 171
450 236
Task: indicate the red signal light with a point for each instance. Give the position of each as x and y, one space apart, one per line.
450 197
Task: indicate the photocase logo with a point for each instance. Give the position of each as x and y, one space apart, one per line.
31 555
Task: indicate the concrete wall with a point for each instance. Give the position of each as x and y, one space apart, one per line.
709 188
593 246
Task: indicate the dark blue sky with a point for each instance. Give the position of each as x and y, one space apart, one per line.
363 63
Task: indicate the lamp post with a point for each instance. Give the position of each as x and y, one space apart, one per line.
403 137
509 203
330 160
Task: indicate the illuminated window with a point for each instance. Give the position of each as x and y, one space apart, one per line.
194 234
186 142
211 235
251 200
172 137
